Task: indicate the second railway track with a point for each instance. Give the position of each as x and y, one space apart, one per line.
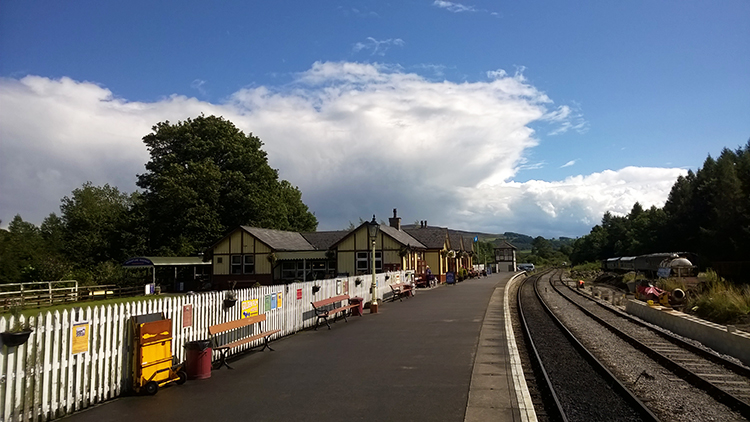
678 382
725 380
583 390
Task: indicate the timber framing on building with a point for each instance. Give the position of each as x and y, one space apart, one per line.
249 255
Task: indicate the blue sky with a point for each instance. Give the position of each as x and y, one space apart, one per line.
534 117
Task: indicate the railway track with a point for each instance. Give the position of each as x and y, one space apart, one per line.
580 386
724 380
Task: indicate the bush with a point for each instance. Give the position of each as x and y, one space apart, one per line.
720 301
587 271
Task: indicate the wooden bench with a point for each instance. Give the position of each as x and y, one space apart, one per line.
400 290
228 327
327 307
421 281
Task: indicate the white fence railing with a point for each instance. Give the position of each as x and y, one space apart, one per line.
56 372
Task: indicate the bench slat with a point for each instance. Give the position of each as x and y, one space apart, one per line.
330 300
248 340
231 325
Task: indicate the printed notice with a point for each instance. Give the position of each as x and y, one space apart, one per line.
80 342
249 308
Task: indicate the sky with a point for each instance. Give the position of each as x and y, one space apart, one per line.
534 117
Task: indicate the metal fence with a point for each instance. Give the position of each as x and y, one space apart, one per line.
75 359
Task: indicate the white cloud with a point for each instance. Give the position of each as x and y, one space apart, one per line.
378 47
565 208
568 164
198 84
356 138
460 7
454 7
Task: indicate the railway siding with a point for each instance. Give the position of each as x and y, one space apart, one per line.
718 337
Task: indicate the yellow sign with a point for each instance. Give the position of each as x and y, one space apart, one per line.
80 341
249 308
278 300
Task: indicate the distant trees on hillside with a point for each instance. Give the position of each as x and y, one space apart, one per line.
707 212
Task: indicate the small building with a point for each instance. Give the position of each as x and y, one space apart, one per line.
505 257
173 273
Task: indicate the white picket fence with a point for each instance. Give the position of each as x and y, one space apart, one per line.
44 380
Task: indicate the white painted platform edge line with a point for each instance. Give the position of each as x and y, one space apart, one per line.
522 390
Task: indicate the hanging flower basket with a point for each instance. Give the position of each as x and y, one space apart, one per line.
15 338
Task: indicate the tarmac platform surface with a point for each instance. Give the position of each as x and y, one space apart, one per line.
441 355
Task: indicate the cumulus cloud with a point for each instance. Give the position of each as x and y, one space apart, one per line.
356 138
569 207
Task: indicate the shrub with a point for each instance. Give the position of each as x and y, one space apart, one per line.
587 271
720 301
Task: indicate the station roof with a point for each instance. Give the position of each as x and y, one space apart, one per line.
164 261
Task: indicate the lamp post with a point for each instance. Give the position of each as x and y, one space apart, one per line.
372 229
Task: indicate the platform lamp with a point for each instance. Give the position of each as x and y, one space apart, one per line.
372 228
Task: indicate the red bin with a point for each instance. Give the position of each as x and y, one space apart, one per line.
198 359
359 310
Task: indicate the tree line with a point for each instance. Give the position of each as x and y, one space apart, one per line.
204 178
707 212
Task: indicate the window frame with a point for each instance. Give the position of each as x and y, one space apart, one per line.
246 264
235 264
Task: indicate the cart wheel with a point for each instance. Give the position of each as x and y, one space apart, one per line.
151 388
181 377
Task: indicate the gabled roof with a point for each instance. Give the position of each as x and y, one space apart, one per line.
430 237
398 235
401 237
456 241
324 240
505 245
280 240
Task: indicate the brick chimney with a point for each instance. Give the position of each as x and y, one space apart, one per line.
395 222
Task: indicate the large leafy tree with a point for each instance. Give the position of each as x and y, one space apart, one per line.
205 176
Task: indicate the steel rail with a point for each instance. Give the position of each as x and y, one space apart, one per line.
734 367
537 356
715 391
620 389
629 397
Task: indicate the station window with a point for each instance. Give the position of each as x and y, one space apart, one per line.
363 259
362 264
249 264
236 264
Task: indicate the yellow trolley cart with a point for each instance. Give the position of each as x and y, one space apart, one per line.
153 366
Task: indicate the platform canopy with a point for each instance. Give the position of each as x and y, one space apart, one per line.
164 261
154 262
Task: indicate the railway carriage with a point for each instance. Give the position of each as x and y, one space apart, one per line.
646 264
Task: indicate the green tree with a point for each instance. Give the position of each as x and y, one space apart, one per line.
541 247
21 250
206 177
95 222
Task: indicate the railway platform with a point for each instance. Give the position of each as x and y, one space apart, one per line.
441 356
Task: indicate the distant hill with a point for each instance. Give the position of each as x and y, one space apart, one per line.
520 241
